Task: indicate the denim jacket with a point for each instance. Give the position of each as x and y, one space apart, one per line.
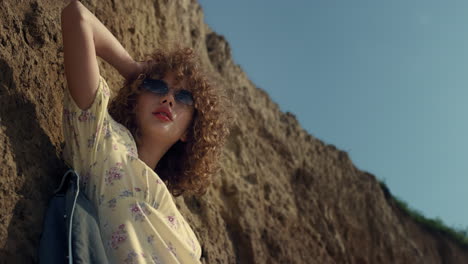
70 231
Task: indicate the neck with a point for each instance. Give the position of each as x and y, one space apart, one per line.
151 152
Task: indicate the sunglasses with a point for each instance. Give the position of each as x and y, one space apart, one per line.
160 87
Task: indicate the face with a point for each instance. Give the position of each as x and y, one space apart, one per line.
152 126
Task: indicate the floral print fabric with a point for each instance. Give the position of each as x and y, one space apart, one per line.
138 218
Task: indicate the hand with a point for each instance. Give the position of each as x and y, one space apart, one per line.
134 69
141 66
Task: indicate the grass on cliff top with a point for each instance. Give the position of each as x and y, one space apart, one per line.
436 226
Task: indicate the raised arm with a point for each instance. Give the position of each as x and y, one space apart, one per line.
84 37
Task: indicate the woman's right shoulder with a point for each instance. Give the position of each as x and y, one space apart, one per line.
98 103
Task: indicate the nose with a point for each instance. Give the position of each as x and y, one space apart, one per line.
168 98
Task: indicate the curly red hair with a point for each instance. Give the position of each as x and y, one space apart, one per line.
186 166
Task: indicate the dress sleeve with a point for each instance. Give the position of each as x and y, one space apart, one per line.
81 127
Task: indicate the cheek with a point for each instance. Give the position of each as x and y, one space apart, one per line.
188 119
140 109
147 102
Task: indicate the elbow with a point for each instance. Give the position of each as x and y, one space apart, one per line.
74 12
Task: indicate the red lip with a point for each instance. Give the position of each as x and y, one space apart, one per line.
164 110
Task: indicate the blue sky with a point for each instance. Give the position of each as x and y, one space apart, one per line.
386 81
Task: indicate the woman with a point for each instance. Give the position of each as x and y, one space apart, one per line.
162 134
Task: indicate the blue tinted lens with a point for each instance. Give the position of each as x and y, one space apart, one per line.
184 97
155 86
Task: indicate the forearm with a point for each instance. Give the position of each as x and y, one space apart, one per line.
107 46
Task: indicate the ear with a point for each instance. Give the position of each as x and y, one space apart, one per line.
183 138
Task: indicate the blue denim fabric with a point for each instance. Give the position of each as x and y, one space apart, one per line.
70 227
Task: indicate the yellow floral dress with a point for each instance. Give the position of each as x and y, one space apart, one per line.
138 219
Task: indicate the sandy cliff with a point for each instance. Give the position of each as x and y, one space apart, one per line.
283 196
